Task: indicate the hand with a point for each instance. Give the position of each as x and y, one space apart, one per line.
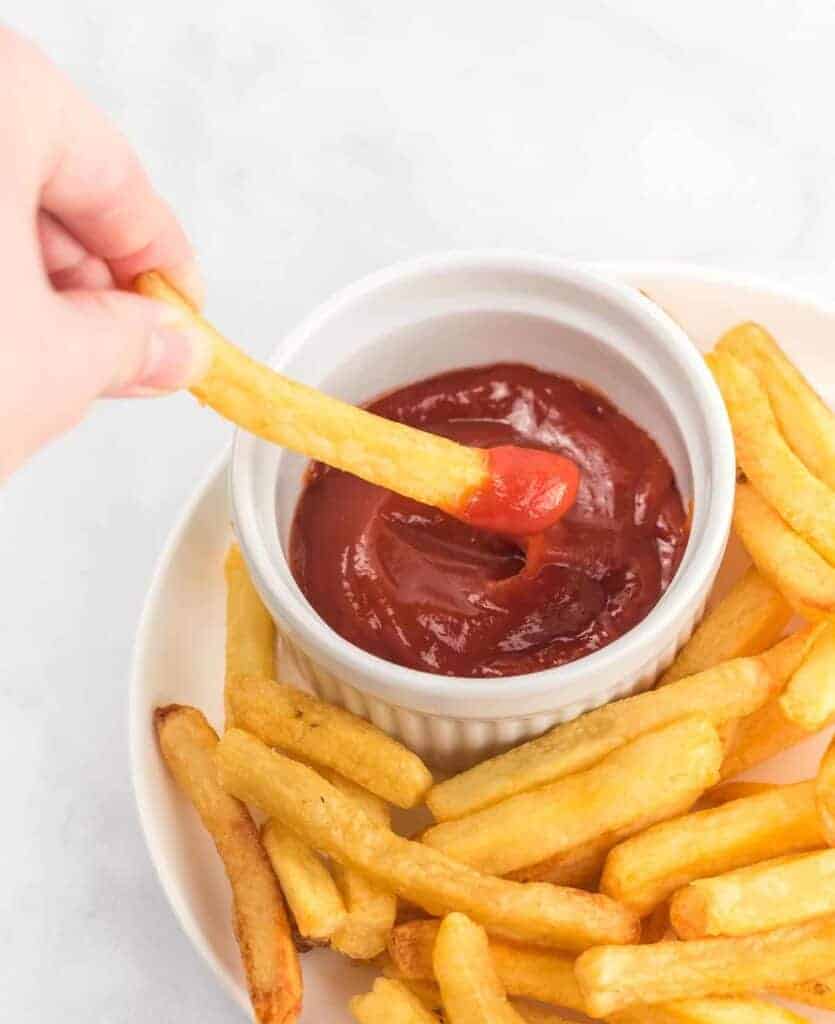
79 220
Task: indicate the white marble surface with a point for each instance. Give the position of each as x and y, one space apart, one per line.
305 144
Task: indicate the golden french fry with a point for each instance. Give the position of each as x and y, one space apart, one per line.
818 992
533 1014
188 744
809 697
721 693
308 887
582 865
417 464
825 794
523 970
806 503
390 1002
807 423
768 731
731 791
613 978
470 987
671 766
371 910
803 577
543 915
783 891
250 630
650 867
730 1010
321 734
751 617
426 991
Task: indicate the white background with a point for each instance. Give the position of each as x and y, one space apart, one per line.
306 143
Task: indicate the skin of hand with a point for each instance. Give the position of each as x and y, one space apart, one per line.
80 220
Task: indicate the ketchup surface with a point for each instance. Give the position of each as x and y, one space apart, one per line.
417 587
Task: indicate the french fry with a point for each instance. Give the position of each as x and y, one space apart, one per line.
371 910
818 992
188 744
721 693
806 503
250 630
308 887
650 867
775 893
803 577
330 737
533 1014
807 423
542 915
809 697
390 1002
825 794
523 970
426 991
731 791
671 766
656 925
429 468
750 618
582 865
613 978
768 731
470 988
730 1010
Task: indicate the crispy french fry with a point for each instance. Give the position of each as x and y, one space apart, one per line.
371 910
730 1010
543 915
750 618
650 867
731 791
673 765
768 731
825 794
533 1014
417 464
783 556
470 987
250 630
321 734
807 423
613 978
308 887
582 865
818 992
523 970
426 991
806 503
783 891
188 744
722 693
390 1002
809 697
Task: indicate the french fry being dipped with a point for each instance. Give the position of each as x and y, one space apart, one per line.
510 490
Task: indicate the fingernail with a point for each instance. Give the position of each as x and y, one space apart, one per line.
188 280
177 356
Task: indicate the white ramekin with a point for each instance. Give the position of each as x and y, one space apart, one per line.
443 312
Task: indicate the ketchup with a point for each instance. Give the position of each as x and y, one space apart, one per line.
421 588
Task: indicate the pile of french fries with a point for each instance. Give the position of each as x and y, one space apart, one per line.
608 867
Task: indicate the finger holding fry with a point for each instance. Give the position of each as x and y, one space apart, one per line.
188 744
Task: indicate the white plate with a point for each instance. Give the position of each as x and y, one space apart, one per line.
179 649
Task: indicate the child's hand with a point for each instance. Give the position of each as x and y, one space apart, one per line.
78 218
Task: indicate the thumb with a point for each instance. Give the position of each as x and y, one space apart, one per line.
130 346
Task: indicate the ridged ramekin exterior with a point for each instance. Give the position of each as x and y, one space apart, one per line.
452 744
